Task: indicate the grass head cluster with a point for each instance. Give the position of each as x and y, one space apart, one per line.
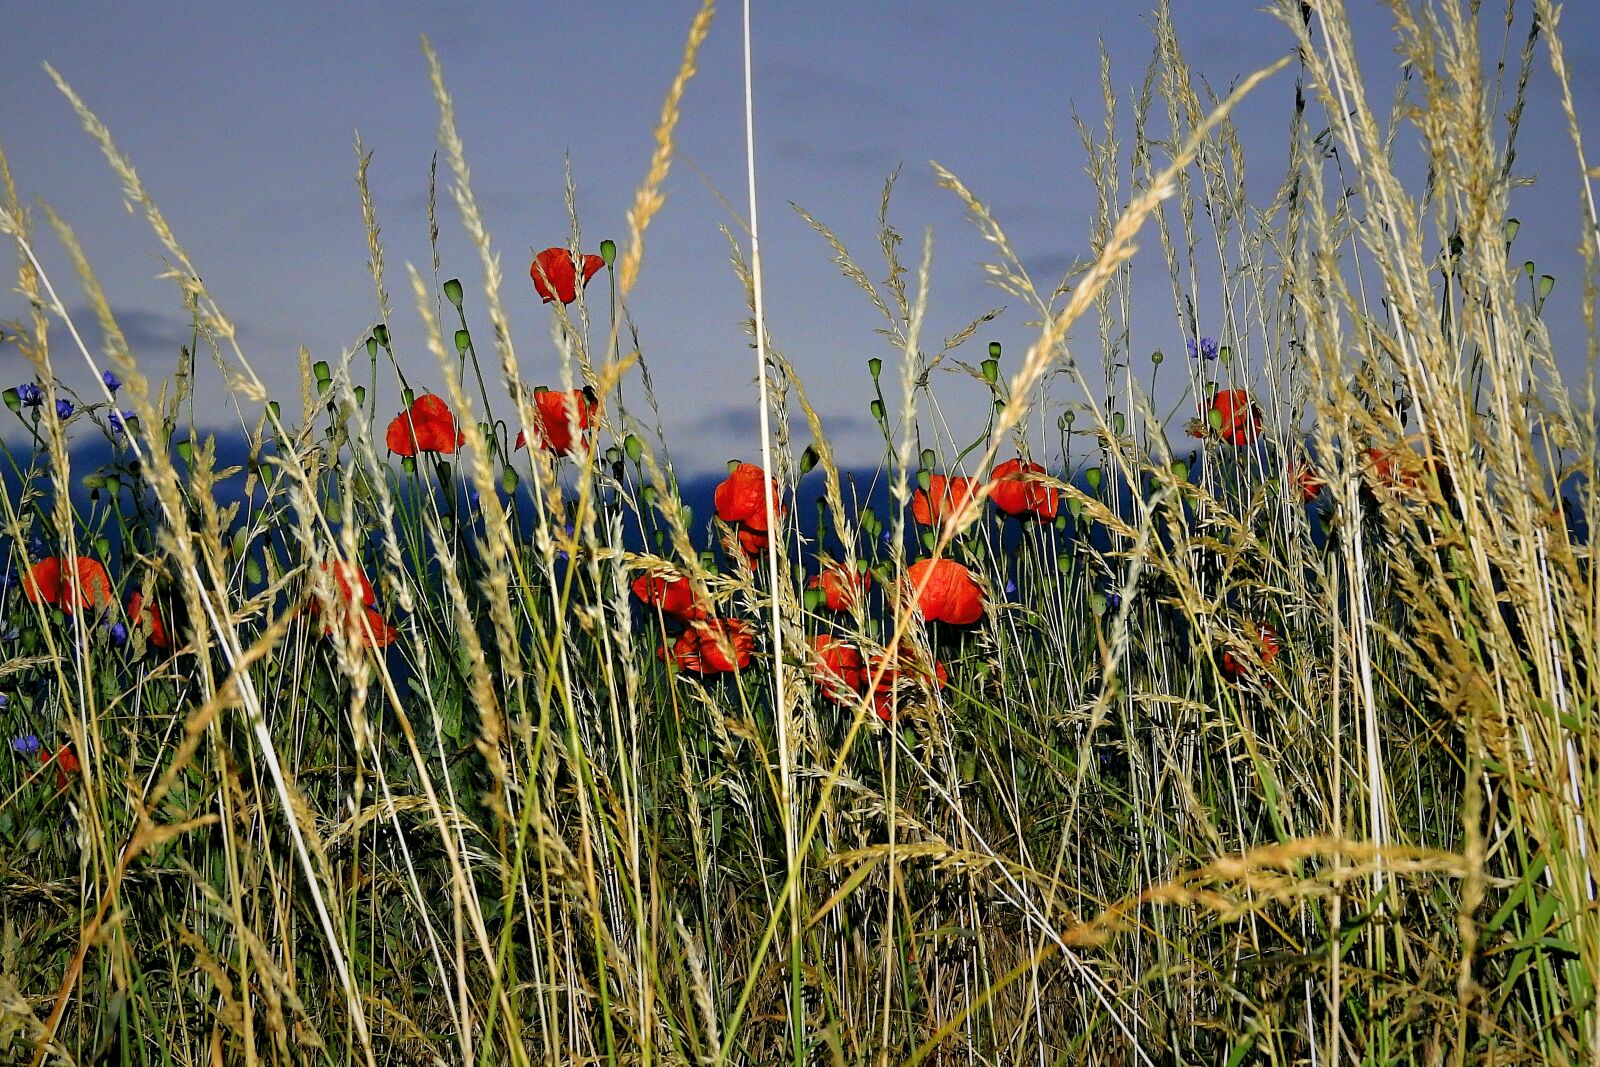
1247 717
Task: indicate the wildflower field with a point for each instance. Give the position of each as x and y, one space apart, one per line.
1262 730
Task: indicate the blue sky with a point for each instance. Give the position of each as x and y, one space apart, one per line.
241 120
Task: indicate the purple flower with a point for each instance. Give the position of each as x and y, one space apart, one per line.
119 634
31 394
63 409
113 383
118 421
27 746
1206 349
1011 587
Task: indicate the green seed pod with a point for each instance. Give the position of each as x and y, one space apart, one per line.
94 481
1119 423
924 480
408 397
994 349
648 494
319 370
1529 269
1075 507
1547 282
113 485
102 547
1511 228
876 407
252 570
372 348
813 599
332 509
508 481
1069 416
733 465
1214 420
360 392
999 407
928 457
928 540
1097 604
1158 357
463 340
452 292
875 367
408 464
613 455
687 513
1094 476
273 411
808 459
186 451
13 400
1061 522
380 334
1225 355
608 251
1064 563
241 541
633 447
991 370
1180 470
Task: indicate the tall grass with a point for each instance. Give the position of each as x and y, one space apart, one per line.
1222 774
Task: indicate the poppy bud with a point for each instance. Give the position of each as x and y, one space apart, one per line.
372 348
808 459
877 410
924 480
380 334
994 349
1075 507
1547 282
928 457
1180 470
633 447
1157 357
252 570
14 400
1528 268
991 370
487 431
1094 477
1214 419
813 599
999 407
508 481
1097 604
241 541
648 494
408 397
272 410
113 484
186 451
102 547
319 369
452 292
360 394
331 509
1225 354
1119 423
608 251
463 340
928 540
408 464
875 367
1061 522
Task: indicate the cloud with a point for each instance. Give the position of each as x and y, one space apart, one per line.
149 333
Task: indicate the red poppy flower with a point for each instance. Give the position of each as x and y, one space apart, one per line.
1017 490
903 675
1305 479
1241 419
949 592
712 646
85 584
754 543
157 637
738 498
1266 645
65 761
555 274
941 500
841 672
554 414
673 595
840 586
351 582
428 426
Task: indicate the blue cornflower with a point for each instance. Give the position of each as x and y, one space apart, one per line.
31 394
27 746
1206 349
119 634
4 700
113 383
1011 587
63 409
118 422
